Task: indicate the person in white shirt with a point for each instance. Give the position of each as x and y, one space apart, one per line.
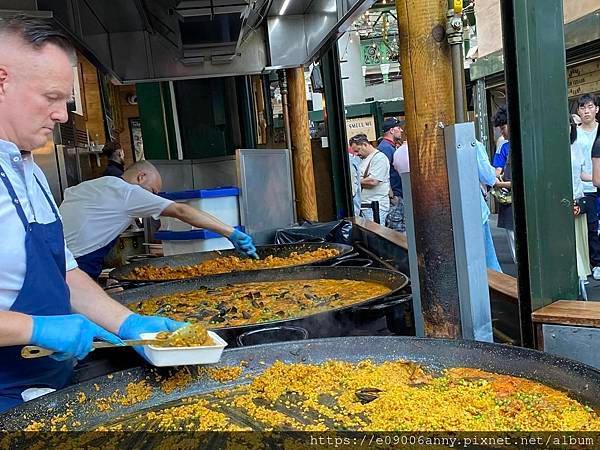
587 109
96 212
401 163
578 176
375 177
45 300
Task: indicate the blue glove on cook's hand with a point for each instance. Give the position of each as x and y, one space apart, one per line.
136 324
69 336
243 242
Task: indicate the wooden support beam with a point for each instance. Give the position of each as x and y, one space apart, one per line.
304 179
259 107
428 100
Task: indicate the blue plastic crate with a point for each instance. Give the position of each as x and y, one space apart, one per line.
189 235
225 191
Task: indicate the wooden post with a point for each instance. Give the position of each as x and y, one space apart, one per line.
428 101
259 107
304 179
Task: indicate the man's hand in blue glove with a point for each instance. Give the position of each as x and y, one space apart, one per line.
243 242
136 324
69 336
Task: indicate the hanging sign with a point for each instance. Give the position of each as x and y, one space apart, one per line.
584 78
364 125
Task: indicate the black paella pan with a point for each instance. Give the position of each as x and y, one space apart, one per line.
312 324
124 273
580 381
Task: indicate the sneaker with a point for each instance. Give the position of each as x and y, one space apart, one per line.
596 273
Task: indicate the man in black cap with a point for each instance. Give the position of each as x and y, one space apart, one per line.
392 133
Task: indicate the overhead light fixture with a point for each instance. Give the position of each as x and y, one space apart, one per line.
284 7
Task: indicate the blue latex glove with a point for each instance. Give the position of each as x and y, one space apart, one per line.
69 336
136 324
243 242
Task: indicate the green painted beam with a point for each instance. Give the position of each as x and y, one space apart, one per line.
315 116
480 104
336 132
487 65
150 103
579 32
359 109
539 138
247 112
393 107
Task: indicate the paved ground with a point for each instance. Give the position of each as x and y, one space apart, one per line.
508 267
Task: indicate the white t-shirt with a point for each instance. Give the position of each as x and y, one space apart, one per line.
22 171
401 163
379 169
577 165
95 212
584 142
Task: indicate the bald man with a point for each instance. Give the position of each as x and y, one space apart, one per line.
96 212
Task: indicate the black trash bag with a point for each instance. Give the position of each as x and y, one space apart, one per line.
339 231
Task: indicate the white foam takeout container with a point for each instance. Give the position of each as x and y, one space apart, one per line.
184 356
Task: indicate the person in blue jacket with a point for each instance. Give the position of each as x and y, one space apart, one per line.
392 134
45 299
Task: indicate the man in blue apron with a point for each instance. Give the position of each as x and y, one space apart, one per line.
97 211
45 299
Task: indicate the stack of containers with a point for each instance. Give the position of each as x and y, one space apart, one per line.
178 237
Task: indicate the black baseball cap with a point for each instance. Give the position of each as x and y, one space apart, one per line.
390 123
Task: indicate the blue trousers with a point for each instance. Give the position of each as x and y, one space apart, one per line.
491 260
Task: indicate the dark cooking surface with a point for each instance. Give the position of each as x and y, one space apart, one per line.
122 273
580 381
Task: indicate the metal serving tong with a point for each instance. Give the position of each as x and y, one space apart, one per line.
162 339
33 351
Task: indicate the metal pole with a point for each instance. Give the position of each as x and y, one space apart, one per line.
283 87
465 201
454 32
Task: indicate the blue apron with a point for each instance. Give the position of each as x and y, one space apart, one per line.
44 293
92 262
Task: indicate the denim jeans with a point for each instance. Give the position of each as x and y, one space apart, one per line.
491 260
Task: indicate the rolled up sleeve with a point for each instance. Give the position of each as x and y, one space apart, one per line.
69 260
142 203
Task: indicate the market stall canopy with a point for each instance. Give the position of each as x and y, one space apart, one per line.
146 40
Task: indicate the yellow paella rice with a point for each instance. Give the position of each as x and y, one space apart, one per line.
225 264
368 396
134 393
